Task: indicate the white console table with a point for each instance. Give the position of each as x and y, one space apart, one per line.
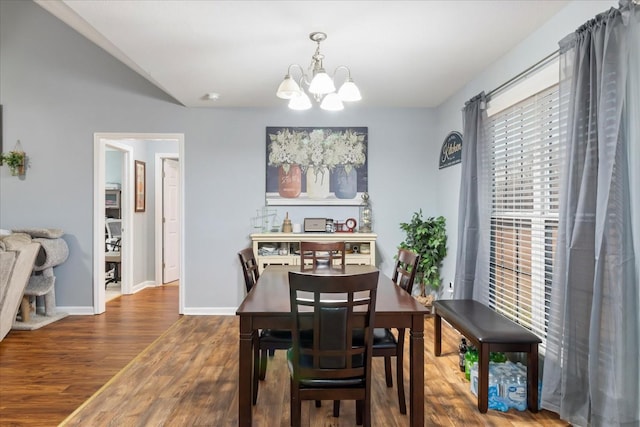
284 248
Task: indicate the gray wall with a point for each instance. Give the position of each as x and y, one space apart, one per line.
58 89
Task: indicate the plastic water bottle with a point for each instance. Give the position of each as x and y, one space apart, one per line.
516 389
462 351
470 357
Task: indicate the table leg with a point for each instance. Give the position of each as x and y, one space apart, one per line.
245 371
416 362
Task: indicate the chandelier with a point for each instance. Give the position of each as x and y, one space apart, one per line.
321 86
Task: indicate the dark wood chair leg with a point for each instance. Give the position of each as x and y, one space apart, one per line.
263 364
295 409
387 371
359 412
336 408
400 383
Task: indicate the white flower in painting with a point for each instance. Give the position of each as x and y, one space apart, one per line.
320 149
286 149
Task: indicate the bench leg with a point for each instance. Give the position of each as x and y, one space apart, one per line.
437 335
532 378
483 378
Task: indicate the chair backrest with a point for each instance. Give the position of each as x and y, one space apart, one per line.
113 227
322 254
334 307
249 268
404 273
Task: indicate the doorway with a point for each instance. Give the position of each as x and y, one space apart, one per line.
167 250
138 267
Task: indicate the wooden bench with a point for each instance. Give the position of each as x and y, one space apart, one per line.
489 331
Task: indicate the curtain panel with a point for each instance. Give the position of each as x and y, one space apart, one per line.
591 375
472 257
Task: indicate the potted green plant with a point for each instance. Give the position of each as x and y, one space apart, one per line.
428 238
15 160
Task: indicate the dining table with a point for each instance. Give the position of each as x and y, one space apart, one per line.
267 306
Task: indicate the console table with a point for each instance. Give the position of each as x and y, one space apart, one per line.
284 248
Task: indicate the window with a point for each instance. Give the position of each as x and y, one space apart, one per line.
525 167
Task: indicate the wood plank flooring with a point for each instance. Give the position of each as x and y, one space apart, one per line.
188 377
47 373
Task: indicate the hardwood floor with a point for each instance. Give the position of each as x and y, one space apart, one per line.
189 376
47 373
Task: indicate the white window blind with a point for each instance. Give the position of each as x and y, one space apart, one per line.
524 213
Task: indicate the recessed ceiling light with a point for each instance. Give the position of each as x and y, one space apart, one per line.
212 96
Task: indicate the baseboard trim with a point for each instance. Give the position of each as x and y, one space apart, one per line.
210 311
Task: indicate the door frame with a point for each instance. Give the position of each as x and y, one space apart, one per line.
101 140
99 294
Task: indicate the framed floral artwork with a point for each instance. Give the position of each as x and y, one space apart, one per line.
316 166
140 186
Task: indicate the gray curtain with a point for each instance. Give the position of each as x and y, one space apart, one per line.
472 261
591 362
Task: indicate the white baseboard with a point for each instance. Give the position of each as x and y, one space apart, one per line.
77 311
210 311
193 311
140 286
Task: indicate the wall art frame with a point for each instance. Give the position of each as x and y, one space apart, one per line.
316 165
140 186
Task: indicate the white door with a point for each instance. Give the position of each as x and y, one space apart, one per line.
170 221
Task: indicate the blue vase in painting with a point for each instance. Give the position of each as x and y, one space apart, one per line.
346 182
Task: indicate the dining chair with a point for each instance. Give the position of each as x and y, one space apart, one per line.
322 254
385 343
268 340
330 366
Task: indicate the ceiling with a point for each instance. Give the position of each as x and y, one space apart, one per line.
401 53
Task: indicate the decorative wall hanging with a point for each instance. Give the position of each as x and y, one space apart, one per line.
141 186
316 166
451 151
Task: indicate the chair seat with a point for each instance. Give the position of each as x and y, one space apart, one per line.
275 336
307 361
382 339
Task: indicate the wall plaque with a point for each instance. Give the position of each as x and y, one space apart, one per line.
451 152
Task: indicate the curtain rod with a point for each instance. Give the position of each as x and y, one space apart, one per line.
520 76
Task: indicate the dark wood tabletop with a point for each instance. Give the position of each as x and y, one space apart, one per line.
267 306
272 294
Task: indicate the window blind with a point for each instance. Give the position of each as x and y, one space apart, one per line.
525 168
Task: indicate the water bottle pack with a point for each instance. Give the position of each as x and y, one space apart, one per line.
507 385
